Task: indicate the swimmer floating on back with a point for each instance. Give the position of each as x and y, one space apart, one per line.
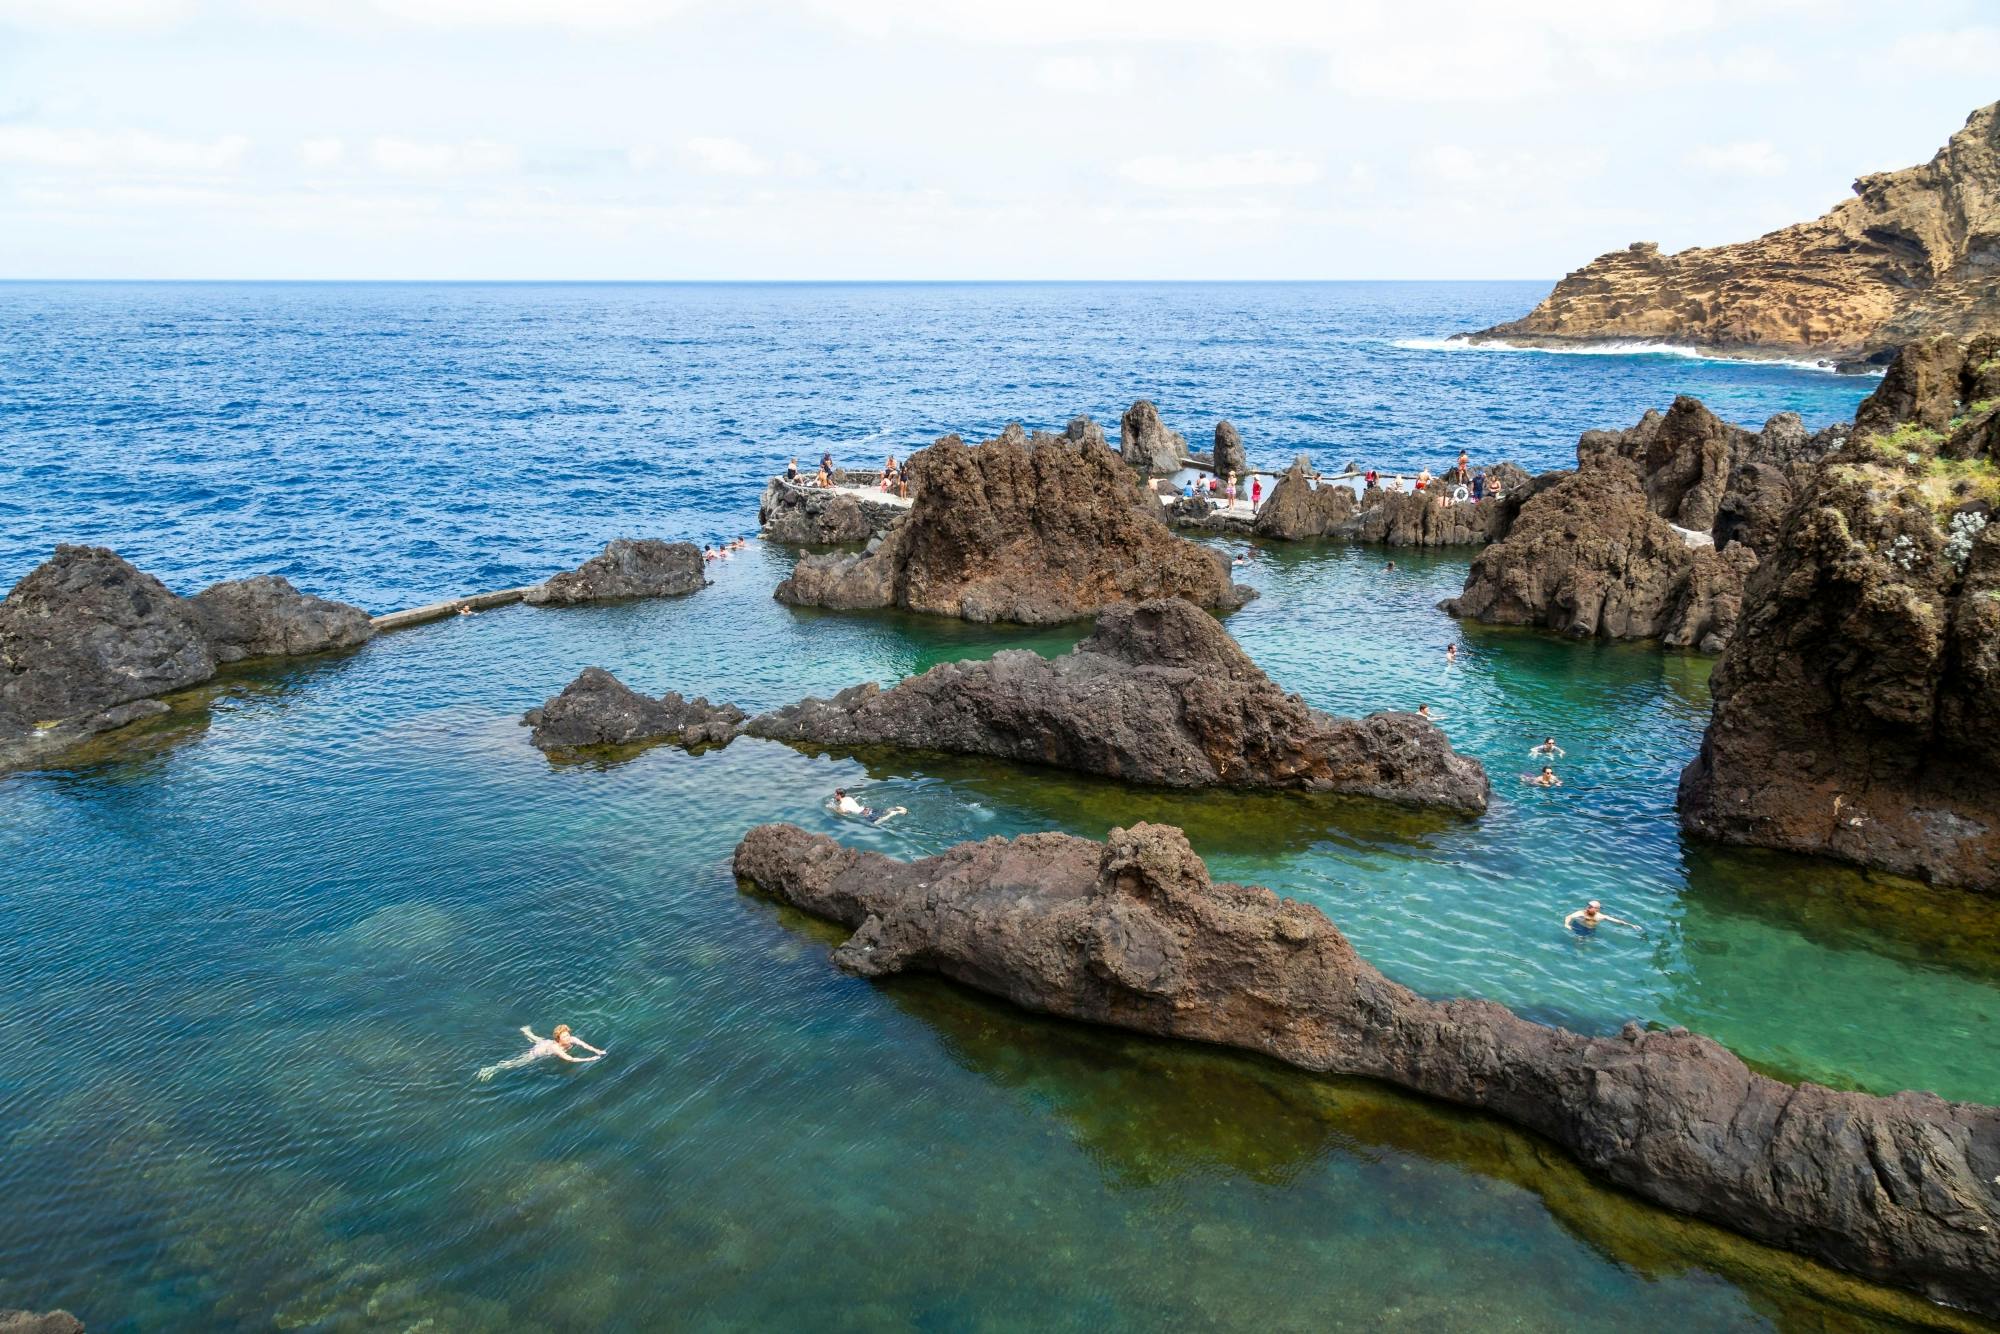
557 1046
1547 750
1584 920
846 805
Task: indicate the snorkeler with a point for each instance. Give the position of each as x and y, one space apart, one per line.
846 805
1547 750
1546 778
557 1046
1585 919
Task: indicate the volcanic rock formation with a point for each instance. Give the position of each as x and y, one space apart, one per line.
1916 252
626 568
1857 711
86 639
1158 694
1229 456
1145 442
811 516
1031 529
1299 507
597 709
1132 933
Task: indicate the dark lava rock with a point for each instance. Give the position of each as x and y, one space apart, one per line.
812 516
86 639
1132 933
1588 556
32 1322
1299 507
1146 444
1034 530
265 616
597 709
1084 431
1158 694
1857 710
627 568
1229 456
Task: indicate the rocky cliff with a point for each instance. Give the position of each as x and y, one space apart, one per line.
1915 252
1857 711
1158 694
86 640
1131 932
1035 529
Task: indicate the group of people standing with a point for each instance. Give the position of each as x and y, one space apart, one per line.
1476 485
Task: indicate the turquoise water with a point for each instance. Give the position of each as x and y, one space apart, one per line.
256 955
262 953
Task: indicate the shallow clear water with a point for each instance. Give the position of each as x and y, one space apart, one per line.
264 949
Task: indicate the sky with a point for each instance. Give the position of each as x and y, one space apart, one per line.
927 139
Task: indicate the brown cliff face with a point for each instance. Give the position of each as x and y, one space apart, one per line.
1857 711
1916 252
1036 530
1132 933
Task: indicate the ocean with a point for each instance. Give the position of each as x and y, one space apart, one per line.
257 955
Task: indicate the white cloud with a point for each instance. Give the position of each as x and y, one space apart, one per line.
1751 157
1224 171
322 151
412 157
725 157
141 15
1073 73
127 150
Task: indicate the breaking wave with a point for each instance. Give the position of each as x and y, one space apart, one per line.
1617 348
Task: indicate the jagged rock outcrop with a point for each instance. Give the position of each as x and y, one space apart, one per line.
1688 459
1857 711
1133 933
597 709
33 1322
1146 444
86 640
1084 431
1589 557
1299 508
1229 456
1030 529
1158 694
1917 252
796 515
628 567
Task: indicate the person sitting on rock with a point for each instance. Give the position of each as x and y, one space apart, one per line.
1424 480
1546 778
825 477
792 470
1584 921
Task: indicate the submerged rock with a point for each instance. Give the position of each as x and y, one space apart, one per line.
1857 711
1158 694
1132 933
597 709
86 638
627 568
1146 444
1035 530
32 1322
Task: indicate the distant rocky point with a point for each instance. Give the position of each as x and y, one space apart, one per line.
87 640
1158 694
1916 252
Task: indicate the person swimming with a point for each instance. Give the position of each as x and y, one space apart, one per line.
1546 778
1450 653
557 1045
1548 750
1424 712
843 804
1584 921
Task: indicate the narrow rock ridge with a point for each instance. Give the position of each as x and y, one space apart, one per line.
627 568
1917 252
1132 933
87 640
810 516
1300 508
1159 695
1857 711
1033 529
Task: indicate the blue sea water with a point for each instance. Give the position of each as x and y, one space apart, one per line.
258 953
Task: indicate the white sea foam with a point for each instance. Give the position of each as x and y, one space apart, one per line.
1625 348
